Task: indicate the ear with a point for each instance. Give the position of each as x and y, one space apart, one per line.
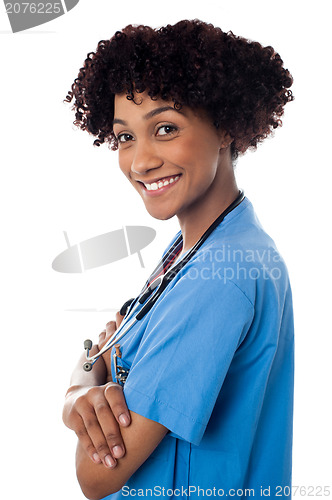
225 139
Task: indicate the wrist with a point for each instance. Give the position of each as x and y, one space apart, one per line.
73 389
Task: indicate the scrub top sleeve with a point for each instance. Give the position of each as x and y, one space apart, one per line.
189 341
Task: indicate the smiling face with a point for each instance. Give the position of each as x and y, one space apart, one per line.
174 159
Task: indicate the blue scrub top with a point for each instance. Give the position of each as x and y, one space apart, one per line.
213 362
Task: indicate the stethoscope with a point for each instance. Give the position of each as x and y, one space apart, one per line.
152 292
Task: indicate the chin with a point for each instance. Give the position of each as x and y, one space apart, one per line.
160 215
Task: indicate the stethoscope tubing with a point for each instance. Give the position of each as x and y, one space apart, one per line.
125 327
114 339
173 271
130 321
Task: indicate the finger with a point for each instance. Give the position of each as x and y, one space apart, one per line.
107 424
98 439
110 327
86 442
111 430
116 400
118 319
102 337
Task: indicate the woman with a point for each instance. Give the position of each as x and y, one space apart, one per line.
205 403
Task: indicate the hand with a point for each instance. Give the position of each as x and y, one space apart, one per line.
104 336
96 414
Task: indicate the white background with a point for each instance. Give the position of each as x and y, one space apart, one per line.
54 180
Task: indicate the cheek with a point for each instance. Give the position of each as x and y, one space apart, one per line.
197 154
184 152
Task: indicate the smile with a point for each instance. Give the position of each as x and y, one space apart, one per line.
160 185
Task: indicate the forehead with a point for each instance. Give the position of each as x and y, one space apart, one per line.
141 105
143 109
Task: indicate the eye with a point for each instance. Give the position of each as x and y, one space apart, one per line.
123 138
166 130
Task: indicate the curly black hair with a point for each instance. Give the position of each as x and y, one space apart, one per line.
242 85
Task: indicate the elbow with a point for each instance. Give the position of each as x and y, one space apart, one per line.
96 481
89 489
95 489
97 493
88 492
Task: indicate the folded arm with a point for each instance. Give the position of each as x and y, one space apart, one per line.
112 442
140 439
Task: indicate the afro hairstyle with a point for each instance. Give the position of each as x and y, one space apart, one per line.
241 85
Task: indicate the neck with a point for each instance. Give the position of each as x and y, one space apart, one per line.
196 220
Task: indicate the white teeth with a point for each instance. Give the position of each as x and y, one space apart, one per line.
157 185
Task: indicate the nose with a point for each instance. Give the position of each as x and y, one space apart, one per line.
146 157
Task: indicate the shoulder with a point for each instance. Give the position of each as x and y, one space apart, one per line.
242 255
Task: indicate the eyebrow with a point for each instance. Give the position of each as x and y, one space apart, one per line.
150 114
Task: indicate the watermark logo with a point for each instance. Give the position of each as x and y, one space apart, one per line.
25 15
103 249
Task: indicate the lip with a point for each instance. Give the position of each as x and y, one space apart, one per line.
161 190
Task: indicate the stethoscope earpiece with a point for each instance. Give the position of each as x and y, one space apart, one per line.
87 345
